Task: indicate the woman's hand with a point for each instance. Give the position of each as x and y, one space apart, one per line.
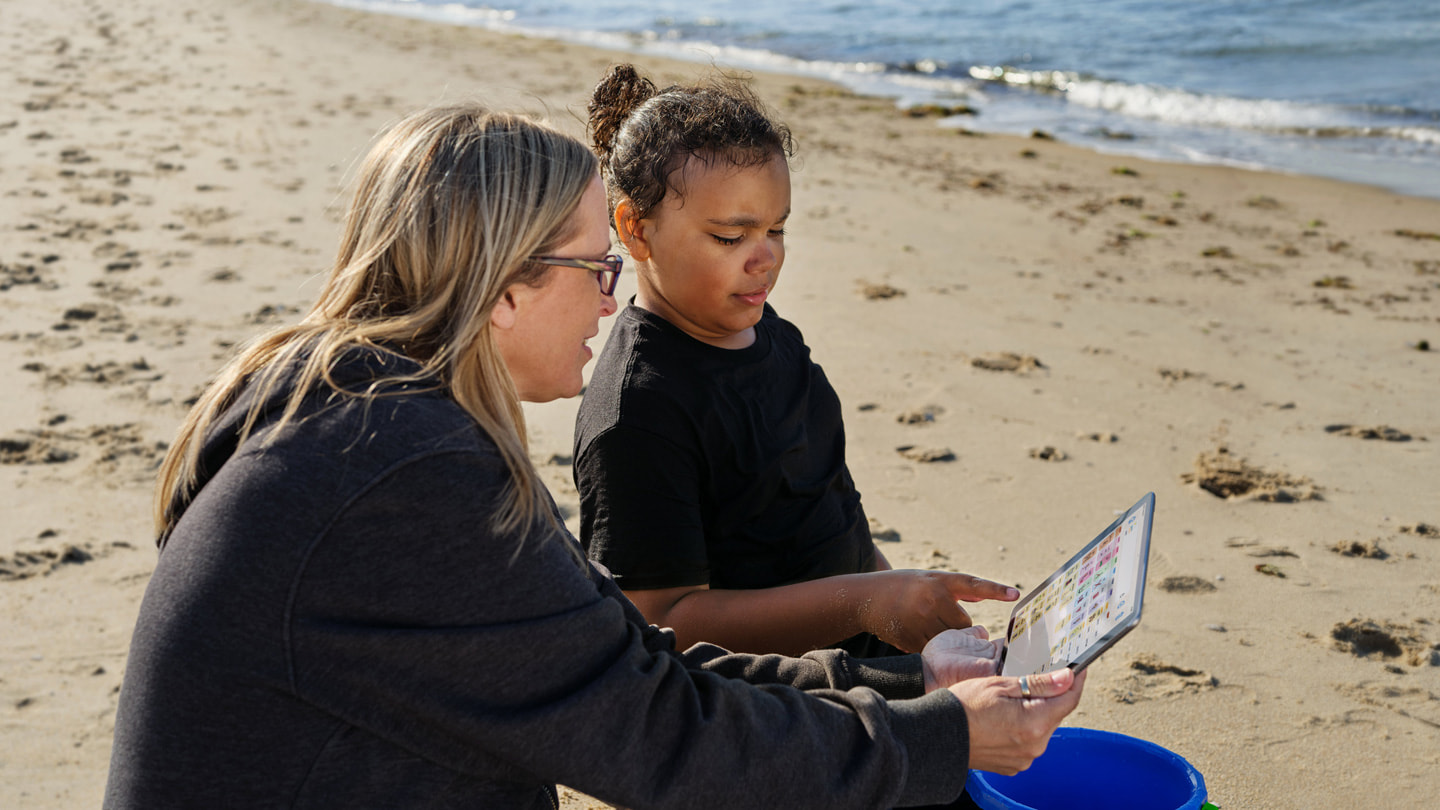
959 655
1007 730
908 608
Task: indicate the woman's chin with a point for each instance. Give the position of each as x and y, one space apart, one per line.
539 397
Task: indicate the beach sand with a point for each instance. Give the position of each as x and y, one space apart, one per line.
1050 332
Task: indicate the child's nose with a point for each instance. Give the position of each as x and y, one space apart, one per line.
763 259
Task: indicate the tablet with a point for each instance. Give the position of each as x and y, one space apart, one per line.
1087 605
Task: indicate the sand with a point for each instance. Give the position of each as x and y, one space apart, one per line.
1047 332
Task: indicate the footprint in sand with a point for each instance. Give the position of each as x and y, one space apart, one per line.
1150 678
1174 375
1414 702
83 230
1007 361
1334 283
920 416
1048 453
1186 584
1232 478
1383 432
1383 640
104 198
271 314
105 317
107 373
1369 549
1421 530
197 216
24 275
1271 551
33 449
115 252
119 449
878 292
26 564
881 533
935 560
114 291
925 455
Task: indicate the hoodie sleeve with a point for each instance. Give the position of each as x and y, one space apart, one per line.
894 677
481 651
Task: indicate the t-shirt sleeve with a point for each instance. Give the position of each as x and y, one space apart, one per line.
640 509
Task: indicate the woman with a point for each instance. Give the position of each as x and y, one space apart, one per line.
364 597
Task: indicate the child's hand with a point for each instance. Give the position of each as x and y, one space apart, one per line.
908 608
959 655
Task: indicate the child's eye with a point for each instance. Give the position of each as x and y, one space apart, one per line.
727 240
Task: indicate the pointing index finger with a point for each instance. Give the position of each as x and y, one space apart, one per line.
968 588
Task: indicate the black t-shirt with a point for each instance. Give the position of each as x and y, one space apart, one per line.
700 465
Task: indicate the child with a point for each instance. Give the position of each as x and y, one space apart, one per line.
709 448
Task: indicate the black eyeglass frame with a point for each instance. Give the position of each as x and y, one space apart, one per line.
606 270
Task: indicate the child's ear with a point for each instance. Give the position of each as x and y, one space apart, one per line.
631 229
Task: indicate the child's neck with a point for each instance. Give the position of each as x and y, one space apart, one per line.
658 306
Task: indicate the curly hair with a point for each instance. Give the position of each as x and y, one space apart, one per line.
644 136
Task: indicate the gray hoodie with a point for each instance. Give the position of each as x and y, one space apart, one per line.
334 624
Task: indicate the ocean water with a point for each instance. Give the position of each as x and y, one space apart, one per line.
1348 89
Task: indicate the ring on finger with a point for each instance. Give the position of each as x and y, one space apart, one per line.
1025 687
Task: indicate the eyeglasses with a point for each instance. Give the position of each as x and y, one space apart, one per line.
606 270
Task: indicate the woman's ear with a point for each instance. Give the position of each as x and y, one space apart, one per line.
631 229
506 311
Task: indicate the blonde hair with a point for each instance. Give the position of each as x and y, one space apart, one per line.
448 206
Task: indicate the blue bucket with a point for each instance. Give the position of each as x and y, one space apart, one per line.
1085 769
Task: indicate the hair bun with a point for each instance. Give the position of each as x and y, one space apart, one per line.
615 97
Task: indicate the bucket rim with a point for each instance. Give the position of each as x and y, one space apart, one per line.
1194 801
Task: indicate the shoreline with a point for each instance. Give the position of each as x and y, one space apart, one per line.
173 183
1019 113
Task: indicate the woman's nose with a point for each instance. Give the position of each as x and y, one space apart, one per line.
607 305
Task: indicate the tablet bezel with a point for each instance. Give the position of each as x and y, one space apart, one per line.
1126 623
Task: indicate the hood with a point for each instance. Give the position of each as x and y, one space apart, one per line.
356 372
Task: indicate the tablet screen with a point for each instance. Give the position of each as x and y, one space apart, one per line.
1088 604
